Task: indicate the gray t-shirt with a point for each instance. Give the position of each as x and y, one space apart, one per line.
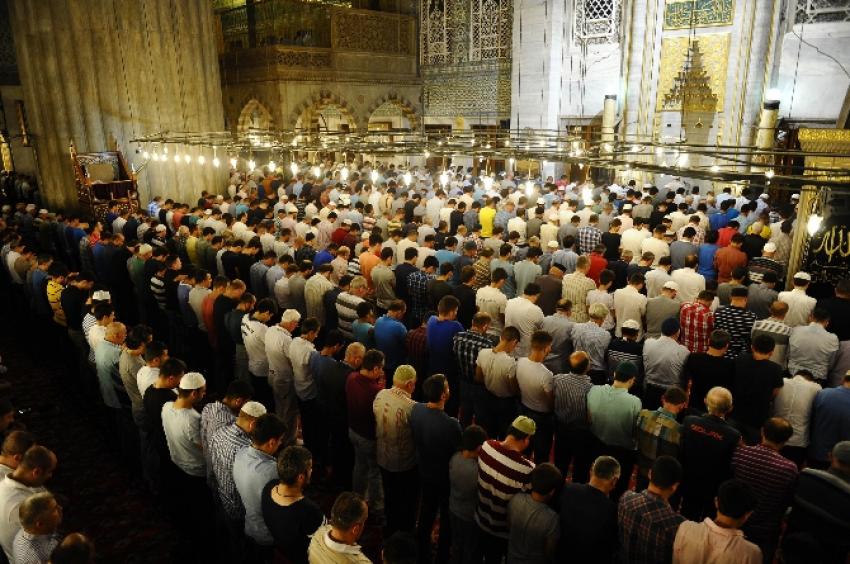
463 476
532 525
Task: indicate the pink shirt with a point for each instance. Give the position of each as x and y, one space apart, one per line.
708 543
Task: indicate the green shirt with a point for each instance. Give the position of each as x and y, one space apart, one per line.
613 412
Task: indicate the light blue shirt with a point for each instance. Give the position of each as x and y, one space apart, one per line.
106 360
252 471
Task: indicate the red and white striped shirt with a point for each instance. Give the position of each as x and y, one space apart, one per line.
502 473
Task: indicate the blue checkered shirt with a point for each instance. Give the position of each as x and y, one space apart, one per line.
224 445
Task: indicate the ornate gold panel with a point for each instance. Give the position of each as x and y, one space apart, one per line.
705 13
715 53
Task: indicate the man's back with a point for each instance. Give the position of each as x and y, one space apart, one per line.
588 524
709 543
647 527
502 473
324 550
533 525
771 477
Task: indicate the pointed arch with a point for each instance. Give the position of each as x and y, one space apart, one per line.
323 100
254 115
408 110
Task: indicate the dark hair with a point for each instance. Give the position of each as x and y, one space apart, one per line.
102 309
268 426
606 277
347 511
448 304
172 368
17 443
309 325
266 305
666 472
763 344
820 314
510 333
292 462
735 499
386 253
719 339
777 430
363 309
433 387
400 548
545 478
472 437
675 395
739 272
532 289
239 389
372 359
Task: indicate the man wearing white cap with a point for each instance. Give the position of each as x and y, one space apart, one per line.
278 340
765 263
800 305
222 449
182 426
661 307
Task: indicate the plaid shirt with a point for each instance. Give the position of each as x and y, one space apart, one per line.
588 238
697 323
417 289
647 527
658 434
467 345
223 448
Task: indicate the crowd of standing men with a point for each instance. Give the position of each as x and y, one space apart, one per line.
549 371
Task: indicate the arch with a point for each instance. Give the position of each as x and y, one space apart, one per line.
325 100
254 115
408 110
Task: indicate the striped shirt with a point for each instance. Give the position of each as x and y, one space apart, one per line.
29 548
738 322
502 473
214 416
772 478
571 398
346 310
222 448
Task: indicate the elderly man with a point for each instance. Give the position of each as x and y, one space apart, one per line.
591 338
708 443
40 516
573 440
396 454
812 347
663 360
337 541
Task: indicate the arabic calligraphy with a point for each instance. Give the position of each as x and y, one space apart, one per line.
835 242
704 13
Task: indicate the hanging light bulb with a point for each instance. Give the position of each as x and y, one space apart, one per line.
233 162
587 196
487 181
427 154
511 161
814 223
343 174
216 162
146 155
529 188
715 168
444 179
683 159
408 178
581 166
251 165
165 149
202 159
154 156
187 157
374 176
769 173
317 172
272 166
176 158
293 167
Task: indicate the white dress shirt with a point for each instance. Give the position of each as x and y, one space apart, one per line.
12 495
794 404
690 282
629 304
525 316
800 306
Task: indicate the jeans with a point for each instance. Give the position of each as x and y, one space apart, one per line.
464 540
366 478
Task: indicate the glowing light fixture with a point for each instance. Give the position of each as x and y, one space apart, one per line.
187 157
408 178
488 182
233 162
146 155
715 168
343 173
251 165
529 188
587 196
769 173
814 223
176 158
293 167
317 172
272 166
215 162
201 159
374 176
444 179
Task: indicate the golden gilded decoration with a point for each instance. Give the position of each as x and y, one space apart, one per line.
705 13
691 90
836 241
825 140
714 48
376 32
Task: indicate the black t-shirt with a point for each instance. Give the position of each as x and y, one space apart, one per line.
292 525
705 372
73 302
229 259
221 306
706 450
588 525
436 290
620 270
466 296
153 401
839 316
612 245
244 262
755 381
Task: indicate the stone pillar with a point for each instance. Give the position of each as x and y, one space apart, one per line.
609 118
102 72
766 134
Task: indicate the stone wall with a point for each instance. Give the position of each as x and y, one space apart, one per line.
100 73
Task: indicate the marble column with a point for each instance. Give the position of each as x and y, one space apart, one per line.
102 72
